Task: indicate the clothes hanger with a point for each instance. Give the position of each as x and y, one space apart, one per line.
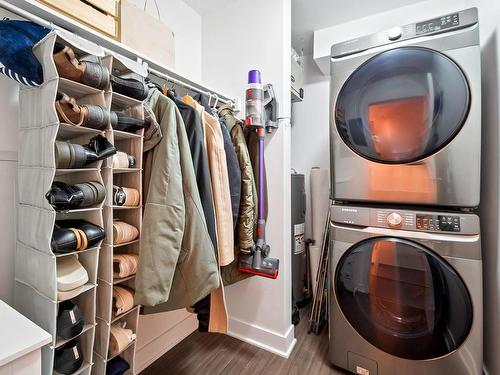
214 108
153 84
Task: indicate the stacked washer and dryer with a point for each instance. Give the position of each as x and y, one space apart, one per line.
406 269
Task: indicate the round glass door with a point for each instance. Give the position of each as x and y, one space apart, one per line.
402 105
403 298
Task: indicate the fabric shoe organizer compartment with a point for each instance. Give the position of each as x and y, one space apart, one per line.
37 265
121 176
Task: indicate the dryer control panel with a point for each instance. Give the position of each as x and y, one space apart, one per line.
436 25
398 219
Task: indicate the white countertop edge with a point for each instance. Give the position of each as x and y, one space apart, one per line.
29 331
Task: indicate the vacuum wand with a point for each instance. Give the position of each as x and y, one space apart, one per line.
258 261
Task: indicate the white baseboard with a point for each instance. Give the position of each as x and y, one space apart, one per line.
274 342
150 352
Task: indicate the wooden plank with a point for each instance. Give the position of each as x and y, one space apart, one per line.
108 6
86 14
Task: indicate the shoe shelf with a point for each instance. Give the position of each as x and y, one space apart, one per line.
130 143
77 90
87 327
128 355
36 267
68 132
126 170
121 135
66 171
103 332
116 318
122 102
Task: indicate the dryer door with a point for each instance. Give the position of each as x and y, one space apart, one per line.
403 298
402 105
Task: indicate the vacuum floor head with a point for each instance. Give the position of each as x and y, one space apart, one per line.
257 265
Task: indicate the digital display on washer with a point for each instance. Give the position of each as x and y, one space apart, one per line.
442 223
437 24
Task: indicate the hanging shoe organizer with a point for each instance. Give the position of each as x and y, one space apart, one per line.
128 242
36 270
36 287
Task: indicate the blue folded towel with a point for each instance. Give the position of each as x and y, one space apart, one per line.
17 61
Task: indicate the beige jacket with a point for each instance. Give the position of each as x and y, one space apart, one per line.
220 183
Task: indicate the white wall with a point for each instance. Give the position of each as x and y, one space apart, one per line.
186 25
310 130
259 309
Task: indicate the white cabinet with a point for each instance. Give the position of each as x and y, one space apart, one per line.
21 343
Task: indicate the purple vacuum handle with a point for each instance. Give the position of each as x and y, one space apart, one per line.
262 213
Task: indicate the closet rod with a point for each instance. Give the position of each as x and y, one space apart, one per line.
167 75
188 86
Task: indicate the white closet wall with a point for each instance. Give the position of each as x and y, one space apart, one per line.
237 37
310 131
185 22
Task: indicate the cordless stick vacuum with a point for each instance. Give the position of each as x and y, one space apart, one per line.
258 262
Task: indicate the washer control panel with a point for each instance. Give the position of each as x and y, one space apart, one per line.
403 219
393 219
443 223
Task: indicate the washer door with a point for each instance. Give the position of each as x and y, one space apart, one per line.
402 105
403 298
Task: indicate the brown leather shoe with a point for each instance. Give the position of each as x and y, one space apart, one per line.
89 73
88 115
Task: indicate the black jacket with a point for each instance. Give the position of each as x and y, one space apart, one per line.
196 139
234 172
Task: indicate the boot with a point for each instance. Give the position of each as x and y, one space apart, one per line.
88 115
122 121
130 87
70 155
68 197
89 73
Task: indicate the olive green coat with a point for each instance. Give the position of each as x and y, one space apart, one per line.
177 265
247 218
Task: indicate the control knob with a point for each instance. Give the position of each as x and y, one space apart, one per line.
394 220
394 33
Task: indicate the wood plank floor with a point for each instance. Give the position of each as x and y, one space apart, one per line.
215 354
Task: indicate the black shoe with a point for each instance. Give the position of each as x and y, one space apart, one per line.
68 197
69 320
75 235
70 155
68 358
130 87
122 121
